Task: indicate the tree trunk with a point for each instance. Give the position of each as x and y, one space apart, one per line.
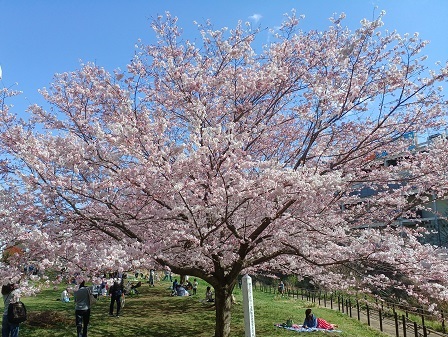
183 278
223 303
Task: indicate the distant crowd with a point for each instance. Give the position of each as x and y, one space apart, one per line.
116 285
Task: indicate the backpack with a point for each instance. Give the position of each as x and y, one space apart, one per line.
16 312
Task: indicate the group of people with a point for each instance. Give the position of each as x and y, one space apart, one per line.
83 298
185 289
188 289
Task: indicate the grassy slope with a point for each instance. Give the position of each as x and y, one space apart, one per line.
155 313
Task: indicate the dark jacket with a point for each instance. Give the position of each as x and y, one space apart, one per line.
310 321
116 290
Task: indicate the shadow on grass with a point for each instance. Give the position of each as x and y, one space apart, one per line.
155 313
48 319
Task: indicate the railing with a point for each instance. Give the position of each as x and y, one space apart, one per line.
388 317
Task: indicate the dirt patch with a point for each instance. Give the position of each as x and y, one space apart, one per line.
47 319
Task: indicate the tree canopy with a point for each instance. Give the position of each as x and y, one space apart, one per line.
214 160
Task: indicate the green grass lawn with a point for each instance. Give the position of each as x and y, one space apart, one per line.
155 313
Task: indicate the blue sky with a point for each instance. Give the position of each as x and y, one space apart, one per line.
39 38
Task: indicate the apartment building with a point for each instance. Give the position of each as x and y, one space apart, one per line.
434 214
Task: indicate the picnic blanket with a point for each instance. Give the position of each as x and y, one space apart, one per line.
299 328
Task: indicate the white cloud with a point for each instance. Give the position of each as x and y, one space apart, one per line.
256 17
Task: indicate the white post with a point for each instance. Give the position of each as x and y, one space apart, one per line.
248 304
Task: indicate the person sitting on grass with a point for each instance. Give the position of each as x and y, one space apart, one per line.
175 283
180 291
65 296
209 295
312 322
135 286
174 288
188 286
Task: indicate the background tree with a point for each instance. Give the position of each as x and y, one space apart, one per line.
216 160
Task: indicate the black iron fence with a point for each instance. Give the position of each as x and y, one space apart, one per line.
396 320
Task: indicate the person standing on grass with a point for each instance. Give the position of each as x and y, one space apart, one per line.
151 277
281 288
115 296
195 286
82 309
9 296
168 276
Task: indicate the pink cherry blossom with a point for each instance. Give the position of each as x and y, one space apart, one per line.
216 159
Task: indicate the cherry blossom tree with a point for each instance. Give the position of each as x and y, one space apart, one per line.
216 160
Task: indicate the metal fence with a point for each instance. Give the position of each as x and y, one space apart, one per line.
396 320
